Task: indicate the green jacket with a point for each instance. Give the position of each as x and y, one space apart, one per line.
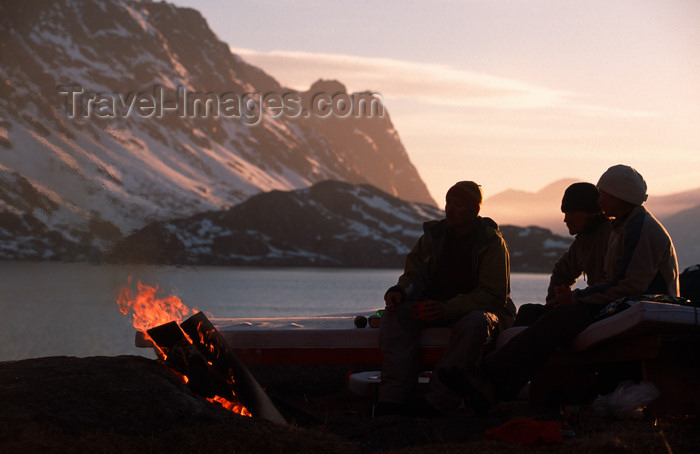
490 271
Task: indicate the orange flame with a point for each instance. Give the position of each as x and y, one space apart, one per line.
148 309
235 407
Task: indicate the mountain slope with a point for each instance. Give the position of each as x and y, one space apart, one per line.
523 208
329 224
685 232
103 115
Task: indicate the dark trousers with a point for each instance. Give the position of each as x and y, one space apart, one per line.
398 338
513 365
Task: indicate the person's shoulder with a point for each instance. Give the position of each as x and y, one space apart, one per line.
653 224
488 223
641 222
489 228
434 222
640 218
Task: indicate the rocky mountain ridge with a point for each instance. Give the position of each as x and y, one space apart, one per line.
329 224
118 113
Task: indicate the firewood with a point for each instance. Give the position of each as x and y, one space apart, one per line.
216 350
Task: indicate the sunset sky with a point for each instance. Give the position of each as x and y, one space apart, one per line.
511 94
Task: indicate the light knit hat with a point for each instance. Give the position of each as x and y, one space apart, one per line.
625 183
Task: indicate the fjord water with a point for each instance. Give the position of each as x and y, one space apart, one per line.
70 309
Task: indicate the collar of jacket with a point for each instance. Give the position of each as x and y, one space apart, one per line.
486 230
634 212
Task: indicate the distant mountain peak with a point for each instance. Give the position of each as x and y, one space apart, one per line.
558 187
329 86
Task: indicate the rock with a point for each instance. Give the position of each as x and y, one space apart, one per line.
131 395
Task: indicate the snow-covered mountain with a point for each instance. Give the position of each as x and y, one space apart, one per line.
329 224
117 113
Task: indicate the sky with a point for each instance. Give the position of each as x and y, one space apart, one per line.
508 93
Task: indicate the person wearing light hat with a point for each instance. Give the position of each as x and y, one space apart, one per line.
624 183
640 260
586 254
457 275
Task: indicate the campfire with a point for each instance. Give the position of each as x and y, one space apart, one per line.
188 344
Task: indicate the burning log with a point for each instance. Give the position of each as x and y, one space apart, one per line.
215 349
197 351
178 353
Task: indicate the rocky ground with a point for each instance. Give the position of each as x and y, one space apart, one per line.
133 404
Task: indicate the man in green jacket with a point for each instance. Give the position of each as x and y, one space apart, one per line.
457 275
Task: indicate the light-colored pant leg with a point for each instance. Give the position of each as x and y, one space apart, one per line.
469 334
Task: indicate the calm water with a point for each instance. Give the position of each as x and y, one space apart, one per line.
70 309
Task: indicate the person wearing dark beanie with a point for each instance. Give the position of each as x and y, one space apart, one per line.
581 197
458 276
591 229
586 253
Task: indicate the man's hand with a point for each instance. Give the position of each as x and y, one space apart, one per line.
428 310
391 299
562 297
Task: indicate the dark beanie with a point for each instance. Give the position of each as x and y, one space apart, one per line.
580 197
468 192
